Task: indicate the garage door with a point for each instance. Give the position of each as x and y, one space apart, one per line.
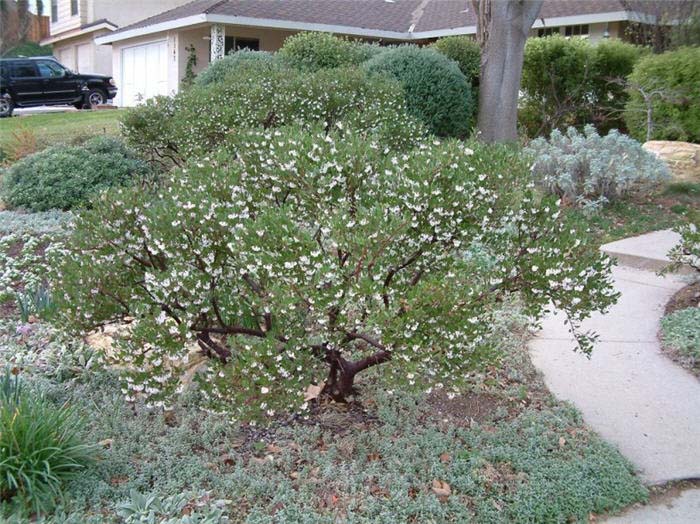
67 57
144 72
85 58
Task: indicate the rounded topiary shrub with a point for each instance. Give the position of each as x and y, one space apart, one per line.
63 177
218 70
466 52
314 51
675 77
436 91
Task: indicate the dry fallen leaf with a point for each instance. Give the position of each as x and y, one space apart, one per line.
445 458
258 460
562 441
106 443
273 448
312 392
441 488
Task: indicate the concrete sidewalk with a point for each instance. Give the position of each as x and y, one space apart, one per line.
683 509
648 252
628 391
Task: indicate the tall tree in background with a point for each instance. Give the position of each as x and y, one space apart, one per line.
9 25
16 21
502 29
667 24
24 17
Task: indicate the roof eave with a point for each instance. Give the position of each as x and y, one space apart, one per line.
149 29
79 32
346 30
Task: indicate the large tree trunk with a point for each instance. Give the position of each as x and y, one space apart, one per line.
502 29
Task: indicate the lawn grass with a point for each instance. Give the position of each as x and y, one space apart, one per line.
662 209
51 128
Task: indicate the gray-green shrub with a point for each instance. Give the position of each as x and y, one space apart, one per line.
592 170
681 331
64 177
436 91
312 51
675 75
218 70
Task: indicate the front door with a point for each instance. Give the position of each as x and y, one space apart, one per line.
26 85
59 84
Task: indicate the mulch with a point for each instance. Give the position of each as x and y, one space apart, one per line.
687 297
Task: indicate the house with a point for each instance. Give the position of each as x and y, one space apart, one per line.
76 23
149 57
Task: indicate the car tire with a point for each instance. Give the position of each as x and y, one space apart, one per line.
97 97
7 106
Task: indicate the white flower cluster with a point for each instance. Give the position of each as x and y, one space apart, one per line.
306 248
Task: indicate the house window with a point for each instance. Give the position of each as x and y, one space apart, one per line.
548 31
73 7
233 44
54 10
576 30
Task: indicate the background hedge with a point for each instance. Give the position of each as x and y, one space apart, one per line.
676 111
436 91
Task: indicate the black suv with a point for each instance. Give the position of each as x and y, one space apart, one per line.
38 81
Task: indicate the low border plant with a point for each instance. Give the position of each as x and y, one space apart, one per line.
40 447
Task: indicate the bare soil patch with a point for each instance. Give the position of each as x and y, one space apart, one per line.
685 298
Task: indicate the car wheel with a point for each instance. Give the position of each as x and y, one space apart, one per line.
6 106
96 97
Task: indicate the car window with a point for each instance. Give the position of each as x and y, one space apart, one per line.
23 70
49 69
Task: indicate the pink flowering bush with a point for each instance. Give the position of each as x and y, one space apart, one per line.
311 255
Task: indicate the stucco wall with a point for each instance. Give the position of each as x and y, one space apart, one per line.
98 59
66 21
270 40
124 12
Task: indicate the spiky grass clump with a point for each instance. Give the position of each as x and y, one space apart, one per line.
40 447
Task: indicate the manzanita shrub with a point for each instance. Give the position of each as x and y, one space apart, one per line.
687 251
219 70
309 256
172 130
312 51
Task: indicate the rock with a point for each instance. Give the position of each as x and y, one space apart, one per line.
683 158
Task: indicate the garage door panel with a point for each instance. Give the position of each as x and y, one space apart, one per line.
85 58
144 72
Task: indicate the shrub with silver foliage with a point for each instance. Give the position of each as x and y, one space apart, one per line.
593 170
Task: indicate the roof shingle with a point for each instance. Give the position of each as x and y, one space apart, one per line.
398 16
